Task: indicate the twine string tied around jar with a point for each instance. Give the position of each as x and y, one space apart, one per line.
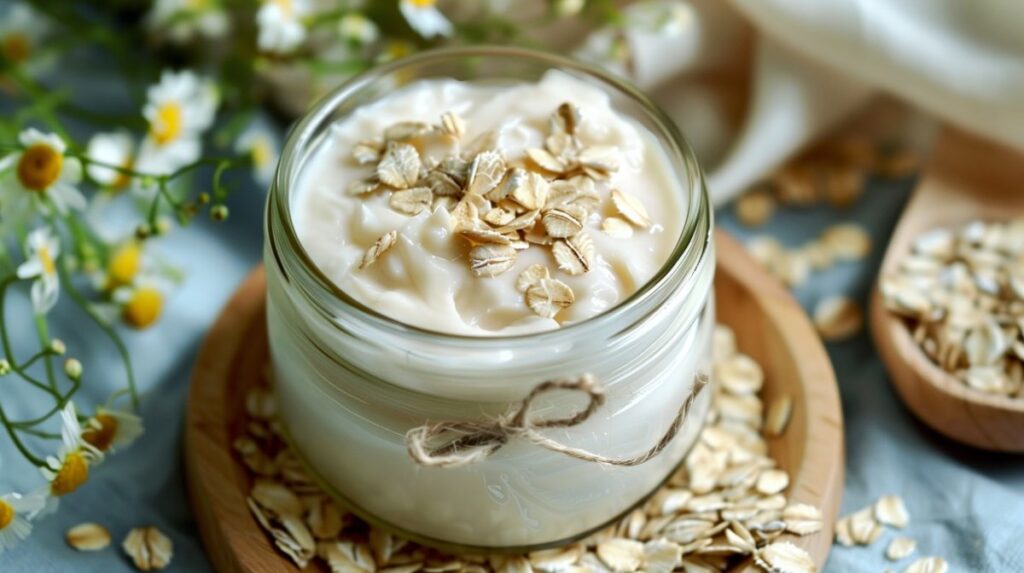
455 443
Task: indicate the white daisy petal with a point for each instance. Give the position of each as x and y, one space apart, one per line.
425 18
44 295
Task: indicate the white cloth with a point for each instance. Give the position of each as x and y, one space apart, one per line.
811 63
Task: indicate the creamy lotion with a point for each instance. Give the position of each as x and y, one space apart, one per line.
425 280
362 355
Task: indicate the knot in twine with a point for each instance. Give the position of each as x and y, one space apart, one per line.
455 443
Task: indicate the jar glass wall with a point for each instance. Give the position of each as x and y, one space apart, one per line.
351 382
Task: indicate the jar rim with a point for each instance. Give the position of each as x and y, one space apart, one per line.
305 131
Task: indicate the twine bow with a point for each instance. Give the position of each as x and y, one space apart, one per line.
455 443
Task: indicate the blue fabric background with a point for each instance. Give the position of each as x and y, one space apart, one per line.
966 505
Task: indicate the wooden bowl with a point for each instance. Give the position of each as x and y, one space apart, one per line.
769 326
966 179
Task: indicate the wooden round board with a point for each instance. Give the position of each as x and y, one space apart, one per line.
769 326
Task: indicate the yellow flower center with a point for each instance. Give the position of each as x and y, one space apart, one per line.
102 437
46 260
6 514
167 126
261 153
39 167
124 265
422 3
71 475
144 307
16 47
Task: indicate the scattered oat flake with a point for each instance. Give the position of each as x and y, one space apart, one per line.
842 533
366 152
88 537
405 130
564 222
838 318
864 529
485 172
847 241
362 186
491 260
890 510
621 555
928 565
400 166
780 410
631 208
574 255
547 297
530 276
482 236
381 246
900 548
452 124
755 208
740 374
545 160
532 194
566 117
411 201
772 481
499 217
149 549
784 557
616 227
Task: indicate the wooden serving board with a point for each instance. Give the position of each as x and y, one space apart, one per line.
769 326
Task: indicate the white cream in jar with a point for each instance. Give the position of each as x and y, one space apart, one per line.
362 357
425 280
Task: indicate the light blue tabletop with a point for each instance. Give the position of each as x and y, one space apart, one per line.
966 505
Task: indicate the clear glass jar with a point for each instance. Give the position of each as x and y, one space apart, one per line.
351 382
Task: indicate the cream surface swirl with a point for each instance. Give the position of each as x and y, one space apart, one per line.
424 280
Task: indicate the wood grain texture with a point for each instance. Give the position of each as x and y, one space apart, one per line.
966 179
768 323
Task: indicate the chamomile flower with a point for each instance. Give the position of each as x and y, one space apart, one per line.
424 17
140 304
110 429
183 20
22 31
16 514
261 144
179 108
357 29
281 26
67 471
41 251
115 148
36 175
123 266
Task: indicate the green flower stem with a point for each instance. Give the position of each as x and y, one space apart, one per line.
43 330
12 432
32 359
82 303
57 407
6 342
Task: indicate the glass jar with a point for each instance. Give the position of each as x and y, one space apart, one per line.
352 382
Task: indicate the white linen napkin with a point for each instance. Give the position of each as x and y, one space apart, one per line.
799 67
